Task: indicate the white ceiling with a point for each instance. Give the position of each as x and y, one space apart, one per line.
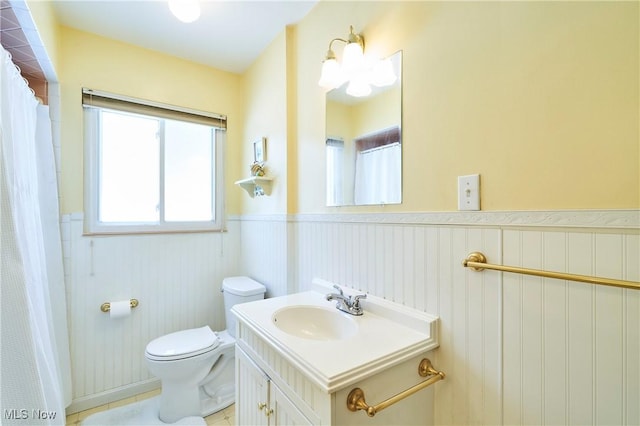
229 35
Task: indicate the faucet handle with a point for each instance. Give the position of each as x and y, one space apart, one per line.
337 287
356 300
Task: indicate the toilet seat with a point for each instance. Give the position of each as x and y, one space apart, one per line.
182 344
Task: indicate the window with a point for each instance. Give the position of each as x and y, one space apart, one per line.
335 172
151 167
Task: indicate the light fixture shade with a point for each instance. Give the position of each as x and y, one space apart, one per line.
331 75
383 74
352 58
354 67
358 87
185 10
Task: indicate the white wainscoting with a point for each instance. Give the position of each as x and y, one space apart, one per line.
516 349
571 350
265 251
176 278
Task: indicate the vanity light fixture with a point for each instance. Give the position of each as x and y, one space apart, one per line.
185 10
355 68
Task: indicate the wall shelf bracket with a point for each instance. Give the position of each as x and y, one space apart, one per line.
256 185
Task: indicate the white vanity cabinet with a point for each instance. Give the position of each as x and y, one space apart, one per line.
259 401
286 377
271 391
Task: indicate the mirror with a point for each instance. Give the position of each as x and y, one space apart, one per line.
363 144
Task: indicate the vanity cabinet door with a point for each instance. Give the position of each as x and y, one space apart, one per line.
259 401
284 411
252 392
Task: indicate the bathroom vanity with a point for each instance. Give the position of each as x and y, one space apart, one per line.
298 358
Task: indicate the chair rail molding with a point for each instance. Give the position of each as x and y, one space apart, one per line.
628 219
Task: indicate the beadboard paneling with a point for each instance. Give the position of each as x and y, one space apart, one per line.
264 253
570 356
177 279
516 349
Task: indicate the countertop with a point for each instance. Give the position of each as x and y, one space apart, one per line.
388 334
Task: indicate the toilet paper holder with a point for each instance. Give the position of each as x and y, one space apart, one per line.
106 306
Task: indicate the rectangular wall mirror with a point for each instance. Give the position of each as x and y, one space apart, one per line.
364 144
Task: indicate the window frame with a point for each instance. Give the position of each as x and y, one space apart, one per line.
335 159
92 132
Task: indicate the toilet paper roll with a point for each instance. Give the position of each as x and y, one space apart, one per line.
120 309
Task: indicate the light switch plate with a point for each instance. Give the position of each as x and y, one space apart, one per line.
469 192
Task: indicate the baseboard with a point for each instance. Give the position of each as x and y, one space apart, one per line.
112 395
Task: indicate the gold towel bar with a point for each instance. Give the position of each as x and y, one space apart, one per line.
106 306
355 399
477 261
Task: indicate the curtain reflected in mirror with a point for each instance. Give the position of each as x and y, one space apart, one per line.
363 145
378 171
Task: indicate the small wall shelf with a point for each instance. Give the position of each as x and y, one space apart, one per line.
256 185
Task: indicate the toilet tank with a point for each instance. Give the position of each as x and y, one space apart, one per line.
239 290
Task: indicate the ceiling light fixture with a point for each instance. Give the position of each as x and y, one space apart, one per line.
185 10
355 68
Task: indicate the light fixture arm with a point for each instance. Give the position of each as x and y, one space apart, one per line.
330 52
352 38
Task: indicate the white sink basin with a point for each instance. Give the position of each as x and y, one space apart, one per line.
316 323
334 349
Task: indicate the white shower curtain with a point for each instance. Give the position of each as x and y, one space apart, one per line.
34 351
378 175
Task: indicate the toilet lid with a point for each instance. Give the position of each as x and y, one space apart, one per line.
185 342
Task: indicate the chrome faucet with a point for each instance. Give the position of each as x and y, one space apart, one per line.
350 305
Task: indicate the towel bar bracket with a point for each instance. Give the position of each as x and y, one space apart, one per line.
475 257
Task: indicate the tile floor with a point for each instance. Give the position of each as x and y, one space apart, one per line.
224 417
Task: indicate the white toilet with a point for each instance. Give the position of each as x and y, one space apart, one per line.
196 366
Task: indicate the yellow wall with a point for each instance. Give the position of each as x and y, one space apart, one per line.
87 60
265 115
540 98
